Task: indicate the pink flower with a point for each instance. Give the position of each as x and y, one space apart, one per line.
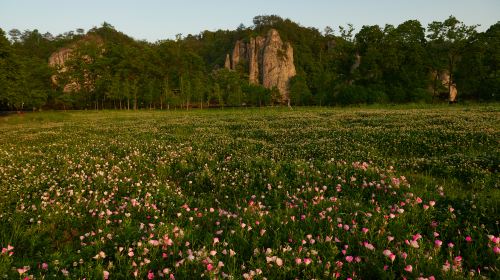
216 240
419 200
368 246
496 250
409 268
364 230
307 261
432 203
45 266
151 275
210 267
387 252
23 270
468 239
414 244
298 260
451 245
438 243
495 240
349 259
105 274
154 242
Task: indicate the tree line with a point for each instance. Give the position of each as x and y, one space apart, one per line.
110 70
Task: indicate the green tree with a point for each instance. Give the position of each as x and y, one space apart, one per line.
299 91
447 41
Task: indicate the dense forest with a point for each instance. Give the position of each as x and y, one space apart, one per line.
389 64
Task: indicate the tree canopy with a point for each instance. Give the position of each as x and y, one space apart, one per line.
377 64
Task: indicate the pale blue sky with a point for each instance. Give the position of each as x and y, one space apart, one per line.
155 19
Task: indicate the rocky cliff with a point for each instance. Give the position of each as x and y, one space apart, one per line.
58 61
270 62
444 76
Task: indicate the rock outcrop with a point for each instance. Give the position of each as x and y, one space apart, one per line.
270 62
58 61
227 63
445 78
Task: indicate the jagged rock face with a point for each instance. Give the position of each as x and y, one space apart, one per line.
227 64
239 52
277 64
59 58
255 54
270 62
452 87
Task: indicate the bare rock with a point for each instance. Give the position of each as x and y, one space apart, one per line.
227 64
270 62
58 60
445 78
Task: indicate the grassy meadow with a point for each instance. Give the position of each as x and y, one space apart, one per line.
308 193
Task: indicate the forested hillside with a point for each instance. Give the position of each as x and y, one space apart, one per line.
106 69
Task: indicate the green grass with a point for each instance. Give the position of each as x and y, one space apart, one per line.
183 190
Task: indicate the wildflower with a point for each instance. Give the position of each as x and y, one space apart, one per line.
100 255
368 246
446 266
151 275
409 268
105 274
413 243
279 262
298 260
387 252
468 239
496 250
210 267
349 259
438 243
23 270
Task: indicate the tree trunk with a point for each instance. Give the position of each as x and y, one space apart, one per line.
135 101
